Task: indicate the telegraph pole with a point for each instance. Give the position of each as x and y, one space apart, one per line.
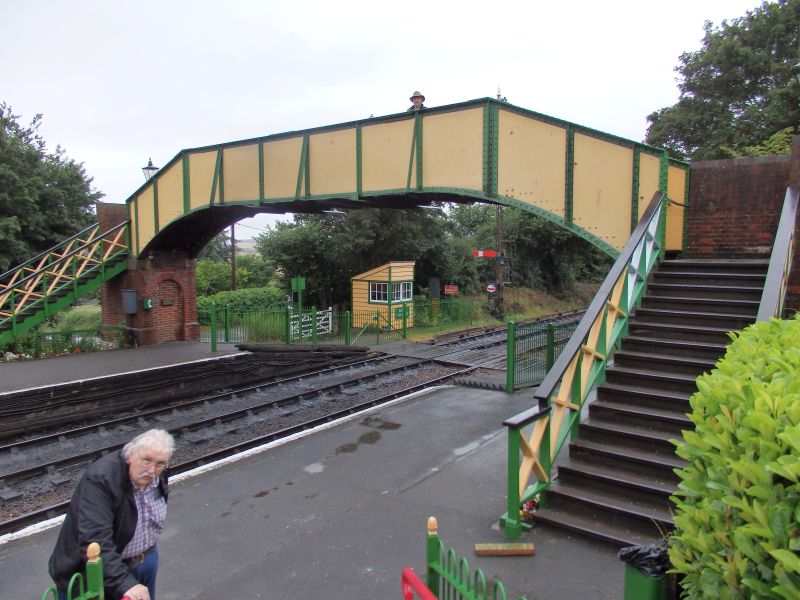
500 260
233 258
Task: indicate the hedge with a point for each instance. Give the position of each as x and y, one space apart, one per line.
244 300
737 519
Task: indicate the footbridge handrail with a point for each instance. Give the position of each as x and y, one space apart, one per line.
579 367
780 262
21 267
28 286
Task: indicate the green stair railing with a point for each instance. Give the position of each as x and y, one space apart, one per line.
536 436
56 278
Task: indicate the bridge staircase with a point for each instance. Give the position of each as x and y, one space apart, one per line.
615 481
56 278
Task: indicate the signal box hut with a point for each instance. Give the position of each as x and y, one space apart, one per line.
380 296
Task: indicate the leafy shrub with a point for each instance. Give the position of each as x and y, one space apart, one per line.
241 300
738 503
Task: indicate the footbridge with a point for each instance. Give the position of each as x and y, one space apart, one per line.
485 150
592 183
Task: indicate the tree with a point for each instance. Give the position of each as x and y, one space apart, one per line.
44 196
738 89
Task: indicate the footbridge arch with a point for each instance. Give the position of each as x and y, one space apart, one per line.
592 183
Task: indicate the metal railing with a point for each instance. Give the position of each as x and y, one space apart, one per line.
449 576
53 343
780 262
366 327
57 277
532 349
535 436
89 587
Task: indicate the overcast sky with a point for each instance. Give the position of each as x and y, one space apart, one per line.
120 82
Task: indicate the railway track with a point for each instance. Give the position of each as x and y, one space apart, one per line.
39 469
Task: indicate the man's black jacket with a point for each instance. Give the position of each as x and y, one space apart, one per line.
102 510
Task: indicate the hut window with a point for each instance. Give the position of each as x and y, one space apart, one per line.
378 292
401 292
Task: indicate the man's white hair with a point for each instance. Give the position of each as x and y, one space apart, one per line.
159 439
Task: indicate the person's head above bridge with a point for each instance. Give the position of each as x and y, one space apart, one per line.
416 101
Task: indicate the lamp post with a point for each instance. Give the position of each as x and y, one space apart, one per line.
149 170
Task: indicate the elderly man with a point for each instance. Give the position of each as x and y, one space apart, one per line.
120 503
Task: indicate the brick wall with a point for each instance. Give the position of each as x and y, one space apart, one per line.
735 205
170 282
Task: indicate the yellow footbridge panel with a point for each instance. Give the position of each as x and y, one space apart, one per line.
593 183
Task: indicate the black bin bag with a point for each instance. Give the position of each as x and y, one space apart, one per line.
651 559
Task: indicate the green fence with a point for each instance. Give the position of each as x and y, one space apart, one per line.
80 587
451 577
365 328
532 350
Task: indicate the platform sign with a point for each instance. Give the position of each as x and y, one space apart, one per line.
450 290
491 288
485 253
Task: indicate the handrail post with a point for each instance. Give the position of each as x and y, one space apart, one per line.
213 327
347 328
405 320
313 324
94 570
226 319
550 356
513 524
432 556
511 356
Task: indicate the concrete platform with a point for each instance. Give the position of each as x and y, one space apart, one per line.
338 512
75 367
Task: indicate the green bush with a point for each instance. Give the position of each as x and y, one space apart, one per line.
738 503
242 300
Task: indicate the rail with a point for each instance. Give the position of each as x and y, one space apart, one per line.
40 284
579 368
780 262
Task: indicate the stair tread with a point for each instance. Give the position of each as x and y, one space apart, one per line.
646 411
605 500
689 313
669 358
644 433
679 343
586 525
650 373
678 327
638 390
716 261
642 456
634 479
698 287
713 301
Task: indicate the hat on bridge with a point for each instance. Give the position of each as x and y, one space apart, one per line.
417 95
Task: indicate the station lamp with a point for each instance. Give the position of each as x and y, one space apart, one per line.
149 170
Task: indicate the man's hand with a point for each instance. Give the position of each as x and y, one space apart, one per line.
138 592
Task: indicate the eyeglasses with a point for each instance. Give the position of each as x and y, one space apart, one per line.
159 465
